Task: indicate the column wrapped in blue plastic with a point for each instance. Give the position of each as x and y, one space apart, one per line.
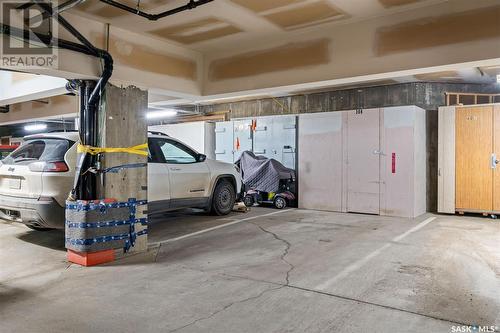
99 225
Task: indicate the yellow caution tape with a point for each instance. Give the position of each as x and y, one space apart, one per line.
137 150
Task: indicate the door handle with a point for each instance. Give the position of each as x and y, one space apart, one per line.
378 152
175 169
494 161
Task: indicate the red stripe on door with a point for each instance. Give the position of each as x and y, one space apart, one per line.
393 162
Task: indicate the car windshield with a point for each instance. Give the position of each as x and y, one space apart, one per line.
45 150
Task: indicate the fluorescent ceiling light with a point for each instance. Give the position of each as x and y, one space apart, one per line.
161 114
35 127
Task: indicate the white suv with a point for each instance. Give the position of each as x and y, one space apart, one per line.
36 178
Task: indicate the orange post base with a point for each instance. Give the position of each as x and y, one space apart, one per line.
91 258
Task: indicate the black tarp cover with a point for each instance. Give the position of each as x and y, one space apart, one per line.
262 173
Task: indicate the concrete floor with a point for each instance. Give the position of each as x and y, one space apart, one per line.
282 271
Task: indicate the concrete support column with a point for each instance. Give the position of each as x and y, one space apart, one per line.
123 124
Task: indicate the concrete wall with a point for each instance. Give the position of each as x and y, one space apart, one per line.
427 95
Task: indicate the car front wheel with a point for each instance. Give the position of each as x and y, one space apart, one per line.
224 198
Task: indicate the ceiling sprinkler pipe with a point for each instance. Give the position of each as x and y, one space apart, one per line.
104 55
58 10
192 4
72 46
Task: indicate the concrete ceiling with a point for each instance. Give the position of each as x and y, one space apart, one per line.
243 48
224 24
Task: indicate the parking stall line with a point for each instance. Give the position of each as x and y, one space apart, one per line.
361 262
217 227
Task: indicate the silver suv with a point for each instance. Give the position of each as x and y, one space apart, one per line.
36 178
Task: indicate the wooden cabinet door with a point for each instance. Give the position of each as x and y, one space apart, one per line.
474 146
496 151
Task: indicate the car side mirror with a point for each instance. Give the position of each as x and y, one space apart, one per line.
201 158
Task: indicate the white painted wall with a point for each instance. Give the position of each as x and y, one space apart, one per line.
198 135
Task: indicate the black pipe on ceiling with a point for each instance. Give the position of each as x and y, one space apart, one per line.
57 10
62 44
71 46
48 40
192 4
104 55
85 185
90 92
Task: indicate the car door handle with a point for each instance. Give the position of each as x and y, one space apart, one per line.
175 169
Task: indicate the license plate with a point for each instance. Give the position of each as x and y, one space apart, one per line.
15 184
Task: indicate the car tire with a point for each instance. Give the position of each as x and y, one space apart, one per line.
223 198
279 202
33 227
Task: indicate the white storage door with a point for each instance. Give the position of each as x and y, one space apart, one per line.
363 161
398 161
275 137
263 137
242 140
224 141
320 161
283 140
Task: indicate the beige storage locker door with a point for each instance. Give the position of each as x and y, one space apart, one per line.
320 161
474 146
363 161
496 150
